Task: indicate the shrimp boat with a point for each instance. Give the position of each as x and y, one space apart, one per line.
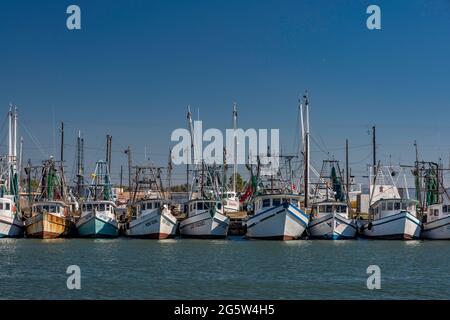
205 212
11 224
50 215
205 219
98 218
391 217
275 211
152 217
436 224
330 218
277 217
436 208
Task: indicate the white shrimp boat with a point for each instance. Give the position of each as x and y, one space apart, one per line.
436 224
330 220
10 224
277 217
205 219
153 220
392 217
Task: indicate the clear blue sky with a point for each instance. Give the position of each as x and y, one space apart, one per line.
135 65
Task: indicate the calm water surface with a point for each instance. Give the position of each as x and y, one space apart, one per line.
223 269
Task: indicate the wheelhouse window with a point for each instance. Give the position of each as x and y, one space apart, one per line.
7 206
89 207
390 206
219 206
404 206
52 209
157 205
1 205
342 209
383 206
329 209
102 207
294 201
276 202
397 206
266 203
322 209
444 208
199 205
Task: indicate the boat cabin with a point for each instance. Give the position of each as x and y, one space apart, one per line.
6 207
388 207
98 206
147 206
197 206
323 208
268 201
57 208
437 211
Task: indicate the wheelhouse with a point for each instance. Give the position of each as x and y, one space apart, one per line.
149 205
98 206
55 207
269 201
324 208
203 205
6 206
387 207
438 211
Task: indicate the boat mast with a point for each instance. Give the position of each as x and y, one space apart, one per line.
374 147
191 130
307 158
80 164
347 174
62 163
418 191
234 146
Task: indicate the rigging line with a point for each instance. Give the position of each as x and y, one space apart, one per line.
33 139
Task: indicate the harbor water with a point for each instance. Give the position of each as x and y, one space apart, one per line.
223 269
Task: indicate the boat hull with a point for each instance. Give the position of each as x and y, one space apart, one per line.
400 226
438 229
11 227
278 223
96 225
158 225
332 227
48 226
205 226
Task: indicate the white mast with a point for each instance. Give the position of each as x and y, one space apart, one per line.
191 130
234 146
307 158
10 146
15 139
